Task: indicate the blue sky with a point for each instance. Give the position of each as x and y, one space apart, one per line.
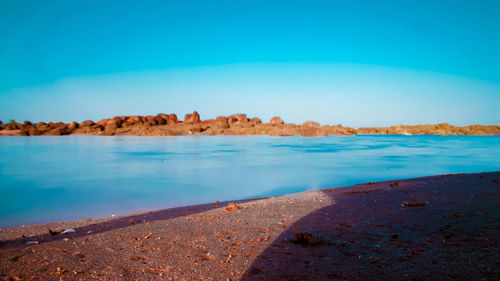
350 62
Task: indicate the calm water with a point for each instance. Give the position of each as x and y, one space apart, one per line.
46 179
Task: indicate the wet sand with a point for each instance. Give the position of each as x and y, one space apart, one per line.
441 227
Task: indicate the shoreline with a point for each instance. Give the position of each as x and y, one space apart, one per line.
448 225
40 228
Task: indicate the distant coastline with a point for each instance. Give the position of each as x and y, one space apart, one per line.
237 124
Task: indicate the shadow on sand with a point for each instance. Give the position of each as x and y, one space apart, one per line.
444 228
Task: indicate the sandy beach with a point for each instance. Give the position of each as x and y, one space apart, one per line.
432 228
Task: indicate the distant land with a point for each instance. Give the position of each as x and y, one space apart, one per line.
236 124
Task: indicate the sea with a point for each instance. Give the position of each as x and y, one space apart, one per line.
60 178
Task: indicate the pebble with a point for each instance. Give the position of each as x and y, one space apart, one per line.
69 230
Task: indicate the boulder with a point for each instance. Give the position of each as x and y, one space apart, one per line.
310 124
40 124
87 123
255 121
193 118
219 124
73 126
98 128
110 128
12 125
59 125
276 121
238 118
42 127
172 119
196 129
58 131
161 119
150 120
112 124
25 127
221 119
282 132
104 122
132 120
119 120
32 131
312 129
338 130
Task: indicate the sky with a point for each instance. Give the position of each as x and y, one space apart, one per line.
355 63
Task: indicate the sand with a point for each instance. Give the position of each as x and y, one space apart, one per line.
432 228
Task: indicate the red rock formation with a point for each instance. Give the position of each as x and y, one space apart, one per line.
112 125
222 119
84 123
132 121
193 118
217 125
236 124
276 121
254 121
12 125
237 118
310 124
56 129
312 129
172 119
283 131
73 125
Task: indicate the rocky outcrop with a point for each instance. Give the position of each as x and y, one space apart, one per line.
312 129
192 118
283 131
87 123
276 121
338 130
132 121
236 124
28 129
166 119
47 129
255 121
240 119
73 125
172 119
57 129
434 129
12 125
